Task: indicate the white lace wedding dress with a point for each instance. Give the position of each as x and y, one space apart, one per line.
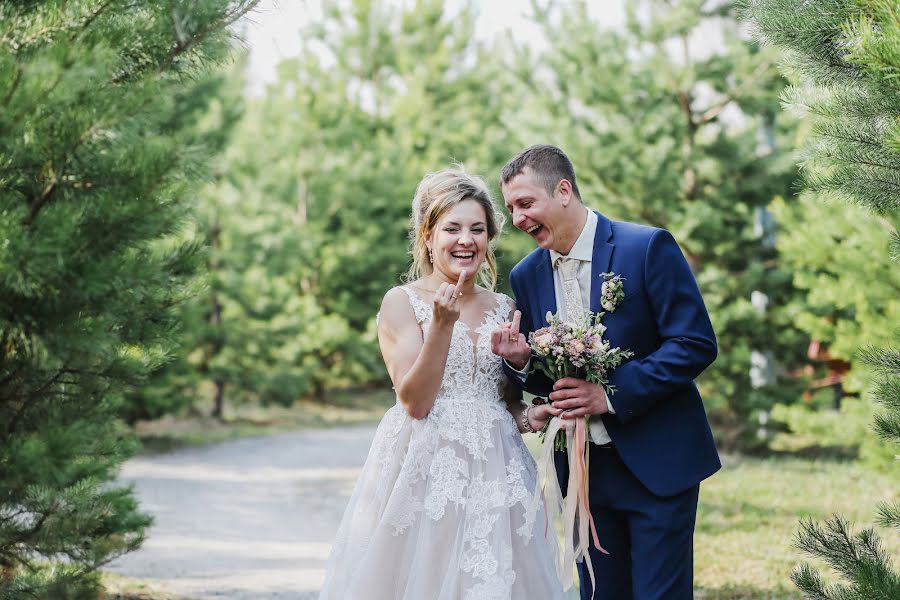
443 508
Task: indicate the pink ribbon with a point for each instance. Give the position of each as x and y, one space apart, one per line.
578 524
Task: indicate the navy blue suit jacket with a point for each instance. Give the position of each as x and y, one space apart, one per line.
660 427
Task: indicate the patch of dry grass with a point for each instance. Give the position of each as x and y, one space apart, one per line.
118 587
248 420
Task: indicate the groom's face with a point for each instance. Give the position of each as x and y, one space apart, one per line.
533 210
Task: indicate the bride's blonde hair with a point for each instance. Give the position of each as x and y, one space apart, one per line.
436 194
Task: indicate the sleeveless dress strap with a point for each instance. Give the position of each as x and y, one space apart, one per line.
421 308
503 306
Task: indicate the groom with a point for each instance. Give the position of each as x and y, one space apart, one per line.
651 442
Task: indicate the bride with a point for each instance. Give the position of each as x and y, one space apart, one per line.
443 508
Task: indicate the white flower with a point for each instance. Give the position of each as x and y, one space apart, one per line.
544 340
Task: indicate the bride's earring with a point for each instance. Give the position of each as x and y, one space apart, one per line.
431 255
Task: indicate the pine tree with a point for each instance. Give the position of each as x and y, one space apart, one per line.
311 214
845 57
671 129
850 300
218 103
97 160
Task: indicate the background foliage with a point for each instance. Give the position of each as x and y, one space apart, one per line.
98 156
170 243
844 56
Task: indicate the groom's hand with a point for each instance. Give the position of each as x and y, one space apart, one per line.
578 398
508 343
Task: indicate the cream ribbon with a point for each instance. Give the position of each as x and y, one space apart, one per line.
575 510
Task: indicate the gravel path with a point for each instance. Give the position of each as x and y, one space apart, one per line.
251 519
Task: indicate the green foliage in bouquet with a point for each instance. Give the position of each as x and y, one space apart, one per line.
576 348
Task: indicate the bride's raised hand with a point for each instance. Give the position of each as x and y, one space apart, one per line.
446 305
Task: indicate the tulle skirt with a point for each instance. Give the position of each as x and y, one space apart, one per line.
444 509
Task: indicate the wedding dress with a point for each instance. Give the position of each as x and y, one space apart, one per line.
444 508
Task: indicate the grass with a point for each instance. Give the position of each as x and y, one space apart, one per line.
118 587
750 511
748 516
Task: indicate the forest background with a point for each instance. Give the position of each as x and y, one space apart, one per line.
188 252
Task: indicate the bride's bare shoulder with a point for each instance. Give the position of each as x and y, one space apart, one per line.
396 308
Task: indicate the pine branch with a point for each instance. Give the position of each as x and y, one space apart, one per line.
885 360
182 47
90 20
12 86
887 424
810 583
895 246
860 559
31 398
833 543
712 112
889 516
38 203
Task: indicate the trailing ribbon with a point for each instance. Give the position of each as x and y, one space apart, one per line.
578 524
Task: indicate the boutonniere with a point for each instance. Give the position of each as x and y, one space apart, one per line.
612 291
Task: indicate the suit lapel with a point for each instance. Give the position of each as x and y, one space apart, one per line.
601 259
546 290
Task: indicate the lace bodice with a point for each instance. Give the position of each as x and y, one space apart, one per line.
452 493
473 372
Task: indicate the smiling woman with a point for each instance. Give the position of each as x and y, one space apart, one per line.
442 507
445 202
460 239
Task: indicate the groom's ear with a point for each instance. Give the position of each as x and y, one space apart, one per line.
564 190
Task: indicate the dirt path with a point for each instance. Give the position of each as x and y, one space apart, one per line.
251 519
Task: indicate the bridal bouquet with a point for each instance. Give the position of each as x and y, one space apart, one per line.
575 349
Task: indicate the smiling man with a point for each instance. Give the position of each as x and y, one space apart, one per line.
652 445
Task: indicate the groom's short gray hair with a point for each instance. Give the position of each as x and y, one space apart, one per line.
548 163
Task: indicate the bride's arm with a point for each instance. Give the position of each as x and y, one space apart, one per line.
416 365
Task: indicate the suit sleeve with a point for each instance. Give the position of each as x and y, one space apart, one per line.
536 383
687 343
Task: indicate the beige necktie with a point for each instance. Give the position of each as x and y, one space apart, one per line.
568 270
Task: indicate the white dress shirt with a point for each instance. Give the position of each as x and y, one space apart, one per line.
583 251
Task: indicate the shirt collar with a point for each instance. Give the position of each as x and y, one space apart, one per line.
584 245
